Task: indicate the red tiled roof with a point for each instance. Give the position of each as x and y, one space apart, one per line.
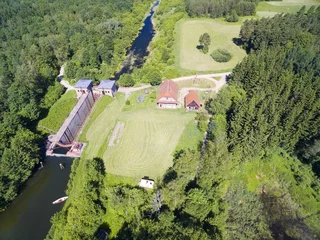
192 96
168 89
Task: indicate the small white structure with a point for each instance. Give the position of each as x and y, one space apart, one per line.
146 183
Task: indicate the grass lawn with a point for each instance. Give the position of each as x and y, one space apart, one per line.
59 111
198 83
147 141
191 137
269 9
221 33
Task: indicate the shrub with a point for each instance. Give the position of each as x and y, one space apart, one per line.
221 55
128 102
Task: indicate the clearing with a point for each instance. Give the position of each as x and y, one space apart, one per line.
143 138
221 33
269 9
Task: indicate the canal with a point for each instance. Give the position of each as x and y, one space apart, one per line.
28 216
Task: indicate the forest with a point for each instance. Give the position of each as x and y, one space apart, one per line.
37 38
257 176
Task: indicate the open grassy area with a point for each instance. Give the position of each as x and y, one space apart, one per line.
59 111
221 33
269 9
191 137
197 83
147 140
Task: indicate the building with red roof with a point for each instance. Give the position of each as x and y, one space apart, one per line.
168 94
192 101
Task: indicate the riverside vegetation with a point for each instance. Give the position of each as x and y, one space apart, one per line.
257 177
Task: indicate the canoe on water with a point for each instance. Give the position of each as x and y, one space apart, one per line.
60 200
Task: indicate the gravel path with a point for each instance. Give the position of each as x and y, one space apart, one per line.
65 83
218 84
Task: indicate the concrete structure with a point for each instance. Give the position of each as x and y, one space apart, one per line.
192 101
168 94
146 183
83 86
107 87
69 130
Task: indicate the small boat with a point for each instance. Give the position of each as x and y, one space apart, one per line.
60 200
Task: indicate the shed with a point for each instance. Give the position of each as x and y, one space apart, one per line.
192 101
107 87
146 183
83 86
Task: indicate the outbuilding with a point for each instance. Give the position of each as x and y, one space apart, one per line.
107 87
83 86
192 101
146 183
168 94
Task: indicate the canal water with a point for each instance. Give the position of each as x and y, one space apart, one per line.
28 216
137 53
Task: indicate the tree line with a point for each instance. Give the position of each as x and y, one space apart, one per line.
37 38
220 8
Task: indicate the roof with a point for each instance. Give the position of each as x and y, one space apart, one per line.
107 84
192 96
146 183
83 83
168 89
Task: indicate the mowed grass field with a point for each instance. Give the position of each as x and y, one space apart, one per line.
269 9
147 142
221 33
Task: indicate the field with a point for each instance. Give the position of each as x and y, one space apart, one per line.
269 9
198 83
144 140
59 111
221 33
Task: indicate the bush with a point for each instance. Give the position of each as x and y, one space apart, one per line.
126 80
221 55
233 17
128 102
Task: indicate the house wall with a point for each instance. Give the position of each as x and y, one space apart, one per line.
109 92
167 105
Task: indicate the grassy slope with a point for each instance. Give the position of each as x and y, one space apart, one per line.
149 137
199 83
59 111
221 34
99 107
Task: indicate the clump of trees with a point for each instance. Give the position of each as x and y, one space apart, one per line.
218 8
205 42
233 17
221 55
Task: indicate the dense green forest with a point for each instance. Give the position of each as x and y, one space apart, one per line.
219 8
256 177
37 37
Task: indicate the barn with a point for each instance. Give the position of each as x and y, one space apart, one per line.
192 101
168 94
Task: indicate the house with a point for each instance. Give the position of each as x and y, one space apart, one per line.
146 183
107 87
168 95
83 86
192 101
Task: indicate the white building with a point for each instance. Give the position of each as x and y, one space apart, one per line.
146 183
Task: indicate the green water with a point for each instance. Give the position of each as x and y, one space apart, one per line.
28 217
